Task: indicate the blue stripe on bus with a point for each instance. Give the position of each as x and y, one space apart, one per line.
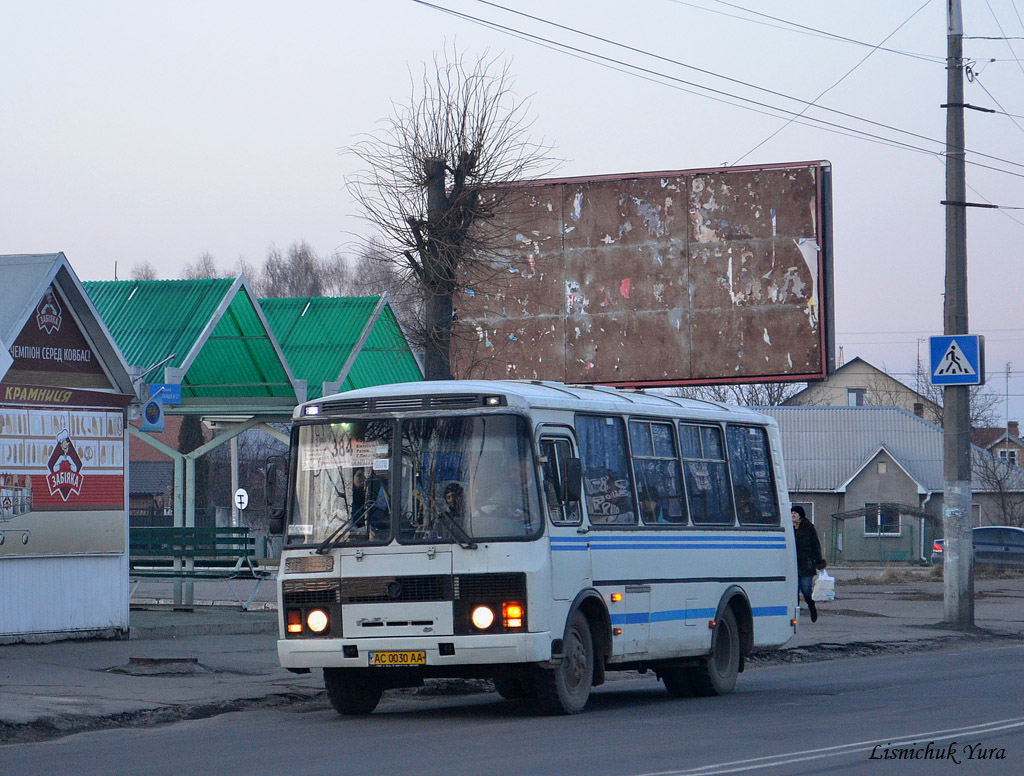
672 615
676 547
654 539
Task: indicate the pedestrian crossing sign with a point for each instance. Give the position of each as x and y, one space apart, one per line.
958 359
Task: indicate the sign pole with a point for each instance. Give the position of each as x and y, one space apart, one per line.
958 566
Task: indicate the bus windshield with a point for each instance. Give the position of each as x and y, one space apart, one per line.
467 479
342 487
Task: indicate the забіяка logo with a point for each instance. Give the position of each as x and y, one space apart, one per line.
48 313
64 469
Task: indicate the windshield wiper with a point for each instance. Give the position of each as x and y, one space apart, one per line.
341 529
464 539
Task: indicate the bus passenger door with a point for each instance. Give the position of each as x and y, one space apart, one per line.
570 550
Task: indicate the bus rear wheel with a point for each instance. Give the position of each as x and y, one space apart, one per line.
352 691
565 689
677 682
716 675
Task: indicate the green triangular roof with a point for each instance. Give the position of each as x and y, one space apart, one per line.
318 336
208 335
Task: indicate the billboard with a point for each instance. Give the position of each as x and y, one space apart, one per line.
657 279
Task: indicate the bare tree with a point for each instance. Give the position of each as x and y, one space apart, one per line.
205 266
1003 482
373 273
746 394
143 271
984 402
300 272
435 179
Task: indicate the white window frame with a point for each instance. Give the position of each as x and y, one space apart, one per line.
808 508
879 534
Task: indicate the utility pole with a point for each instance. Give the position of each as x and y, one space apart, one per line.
957 515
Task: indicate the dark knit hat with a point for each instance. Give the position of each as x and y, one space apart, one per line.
799 510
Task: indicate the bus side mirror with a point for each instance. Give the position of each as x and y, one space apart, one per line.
572 480
270 489
274 493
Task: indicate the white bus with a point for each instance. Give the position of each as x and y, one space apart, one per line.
532 533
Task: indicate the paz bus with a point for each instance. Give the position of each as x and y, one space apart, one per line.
532 533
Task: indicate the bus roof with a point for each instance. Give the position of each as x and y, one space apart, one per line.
537 394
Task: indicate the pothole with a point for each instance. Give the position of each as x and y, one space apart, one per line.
160 666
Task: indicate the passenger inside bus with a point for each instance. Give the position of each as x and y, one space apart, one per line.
453 502
650 505
359 497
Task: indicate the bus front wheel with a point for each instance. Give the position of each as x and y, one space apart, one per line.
566 688
716 675
514 686
352 691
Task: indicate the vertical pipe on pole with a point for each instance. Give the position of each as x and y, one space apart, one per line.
190 521
957 512
179 517
235 516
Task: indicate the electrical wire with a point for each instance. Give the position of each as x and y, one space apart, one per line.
834 85
591 56
1003 33
795 27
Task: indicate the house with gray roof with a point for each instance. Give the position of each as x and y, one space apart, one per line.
871 479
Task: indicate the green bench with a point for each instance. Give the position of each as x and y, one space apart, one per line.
189 553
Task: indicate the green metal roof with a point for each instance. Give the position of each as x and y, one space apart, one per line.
210 334
318 334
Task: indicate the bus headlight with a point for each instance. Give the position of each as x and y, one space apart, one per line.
512 614
317 620
482 617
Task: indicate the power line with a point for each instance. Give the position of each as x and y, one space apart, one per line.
1003 32
833 86
577 52
803 29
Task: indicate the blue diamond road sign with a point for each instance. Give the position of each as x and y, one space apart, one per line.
958 359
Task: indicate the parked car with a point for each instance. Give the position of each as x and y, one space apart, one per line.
994 545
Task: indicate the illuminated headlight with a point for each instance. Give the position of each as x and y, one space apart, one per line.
317 620
512 614
482 617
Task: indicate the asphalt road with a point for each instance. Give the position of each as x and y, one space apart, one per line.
823 717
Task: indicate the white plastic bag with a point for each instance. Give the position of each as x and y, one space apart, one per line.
824 587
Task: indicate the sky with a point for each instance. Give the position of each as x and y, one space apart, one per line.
156 132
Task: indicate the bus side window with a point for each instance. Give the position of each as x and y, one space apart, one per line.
752 480
706 475
555 453
656 472
606 475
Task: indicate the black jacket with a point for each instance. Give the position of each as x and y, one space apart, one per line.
808 550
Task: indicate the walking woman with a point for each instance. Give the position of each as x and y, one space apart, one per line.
809 559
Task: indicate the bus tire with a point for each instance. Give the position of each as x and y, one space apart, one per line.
352 691
716 674
514 687
566 688
677 682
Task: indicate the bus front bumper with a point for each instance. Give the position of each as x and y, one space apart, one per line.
464 650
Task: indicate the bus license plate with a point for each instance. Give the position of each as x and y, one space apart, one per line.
418 658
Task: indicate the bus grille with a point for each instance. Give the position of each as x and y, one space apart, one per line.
395 589
310 592
499 587
368 590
